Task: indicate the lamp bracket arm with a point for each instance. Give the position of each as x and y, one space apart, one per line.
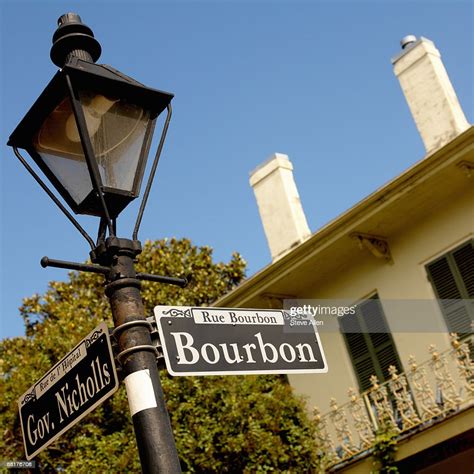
182 282
81 267
103 270
54 198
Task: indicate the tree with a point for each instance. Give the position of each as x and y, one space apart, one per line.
221 424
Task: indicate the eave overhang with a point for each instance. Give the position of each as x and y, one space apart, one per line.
439 175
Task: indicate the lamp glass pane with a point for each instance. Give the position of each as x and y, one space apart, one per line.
117 131
64 157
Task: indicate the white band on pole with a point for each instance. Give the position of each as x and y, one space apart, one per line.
140 391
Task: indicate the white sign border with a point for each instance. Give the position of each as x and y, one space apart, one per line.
103 328
158 317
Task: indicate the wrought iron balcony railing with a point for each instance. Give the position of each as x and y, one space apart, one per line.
424 394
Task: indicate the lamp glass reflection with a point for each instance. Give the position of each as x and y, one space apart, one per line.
117 130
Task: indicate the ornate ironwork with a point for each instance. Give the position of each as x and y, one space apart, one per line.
327 451
28 397
343 433
422 391
381 403
175 312
448 395
403 399
94 336
462 356
362 422
406 401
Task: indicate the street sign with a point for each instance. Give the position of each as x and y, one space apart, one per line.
78 383
222 341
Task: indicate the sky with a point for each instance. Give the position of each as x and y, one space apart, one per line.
312 80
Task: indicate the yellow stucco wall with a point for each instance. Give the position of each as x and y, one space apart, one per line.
449 224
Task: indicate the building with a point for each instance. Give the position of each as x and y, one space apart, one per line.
404 259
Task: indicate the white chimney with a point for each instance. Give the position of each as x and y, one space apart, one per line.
279 204
429 92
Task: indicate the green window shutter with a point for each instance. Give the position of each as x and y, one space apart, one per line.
358 348
369 343
452 278
464 259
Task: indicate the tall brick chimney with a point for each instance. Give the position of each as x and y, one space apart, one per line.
429 92
279 204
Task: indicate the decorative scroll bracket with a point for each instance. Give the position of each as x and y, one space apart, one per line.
467 168
376 245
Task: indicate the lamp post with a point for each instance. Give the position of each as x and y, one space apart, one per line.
90 133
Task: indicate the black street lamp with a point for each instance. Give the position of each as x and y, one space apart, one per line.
90 133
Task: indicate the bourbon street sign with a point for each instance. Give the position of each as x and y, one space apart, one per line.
219 341
69 391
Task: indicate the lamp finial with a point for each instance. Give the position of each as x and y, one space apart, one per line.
73 39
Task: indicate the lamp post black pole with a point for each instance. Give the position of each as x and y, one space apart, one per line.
60 126
138 357
115 258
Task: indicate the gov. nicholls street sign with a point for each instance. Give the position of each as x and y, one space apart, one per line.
219 341
68 392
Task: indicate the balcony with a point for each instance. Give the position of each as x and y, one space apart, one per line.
409 403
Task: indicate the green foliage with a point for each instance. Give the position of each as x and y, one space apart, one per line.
221 424
384 449
239 424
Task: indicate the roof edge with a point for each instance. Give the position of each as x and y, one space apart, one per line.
376 199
